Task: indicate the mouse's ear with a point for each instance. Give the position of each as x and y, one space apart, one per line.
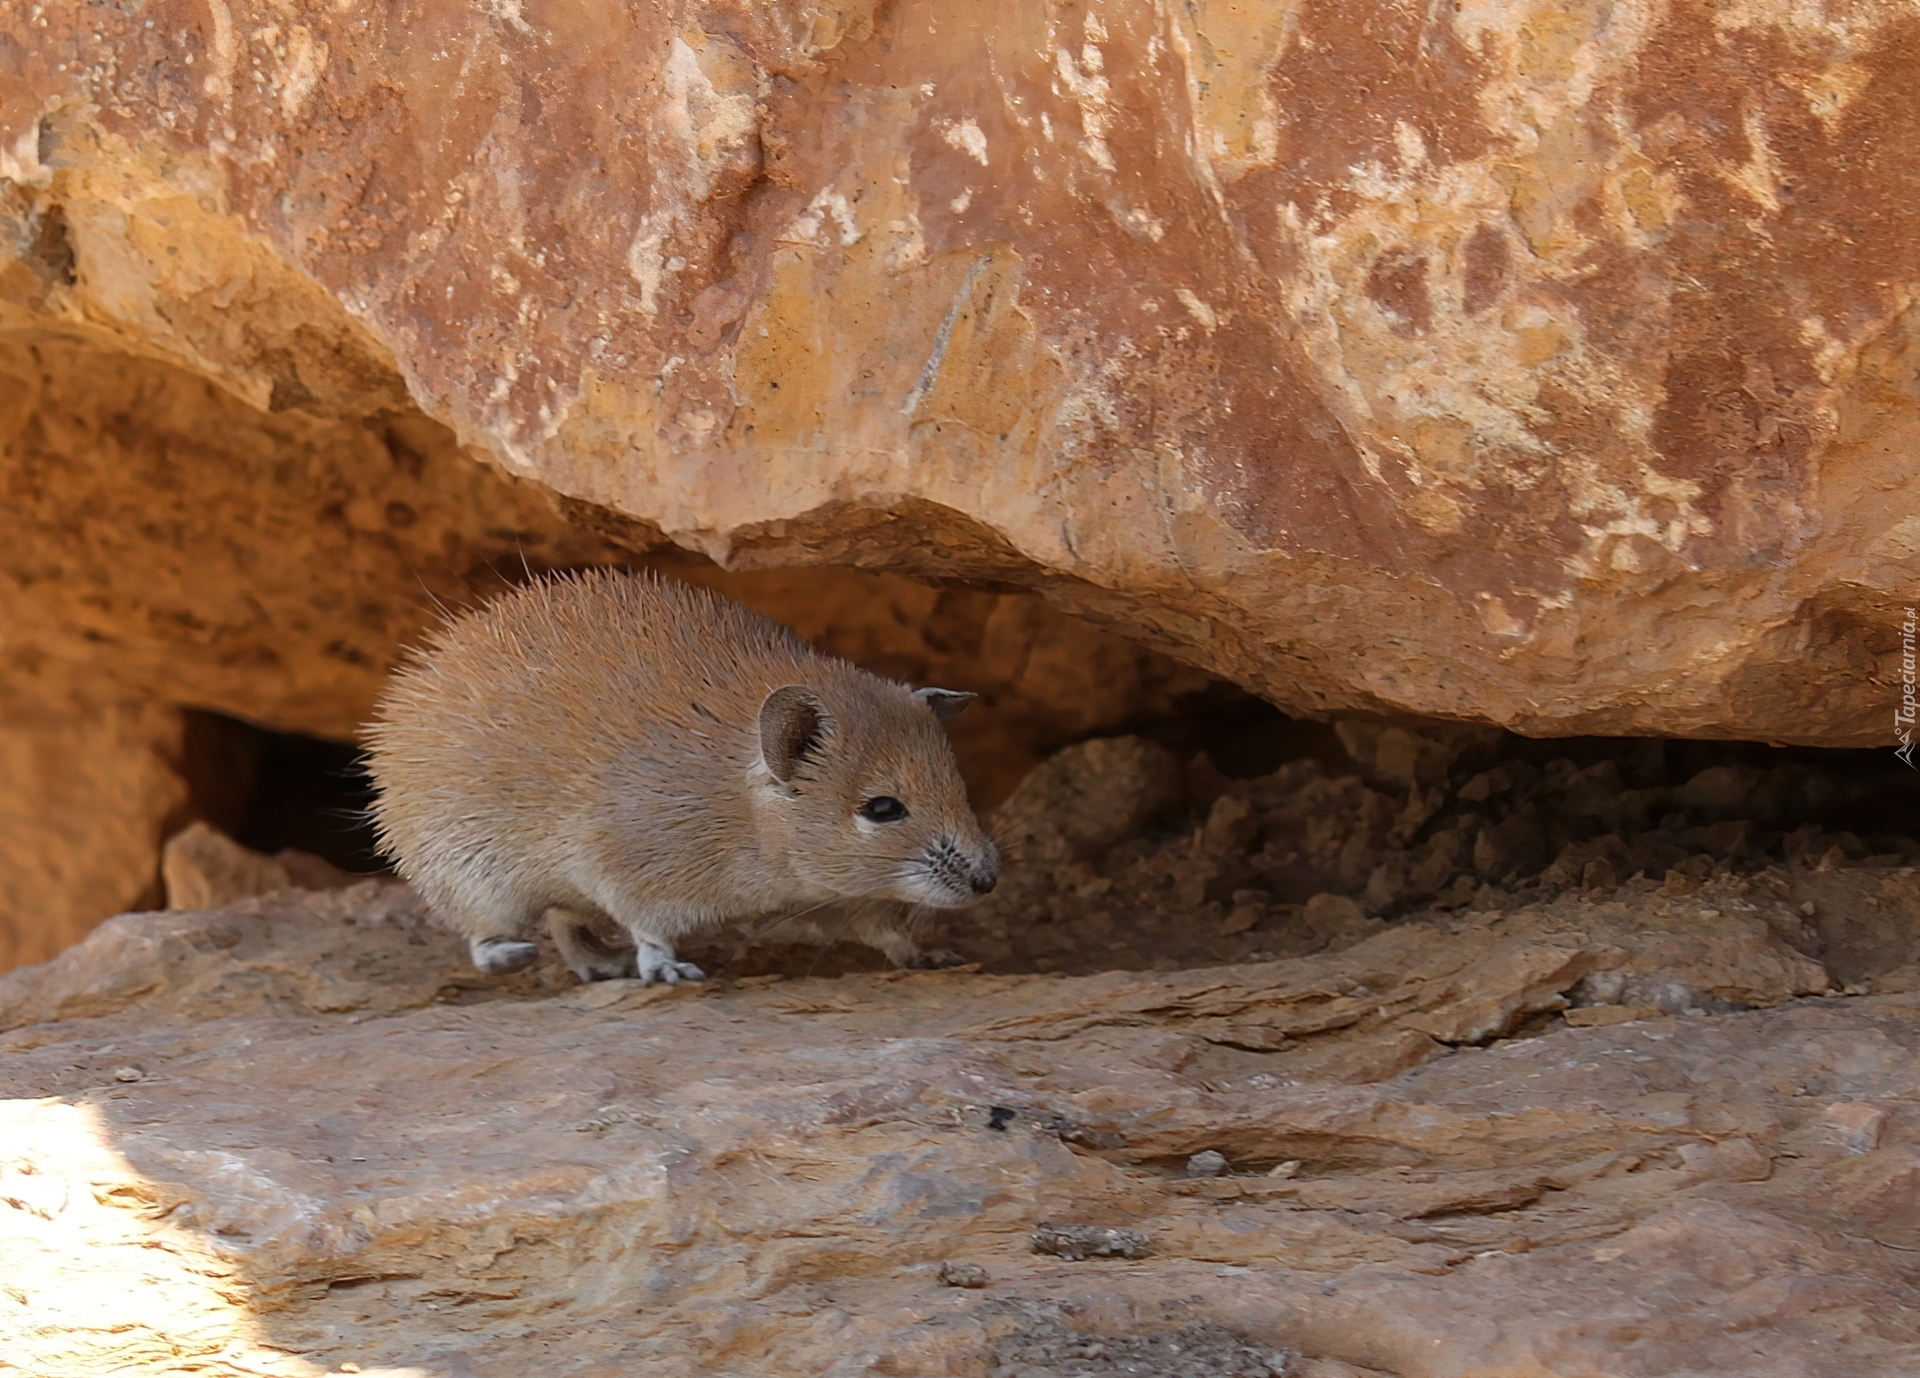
944 702
793 724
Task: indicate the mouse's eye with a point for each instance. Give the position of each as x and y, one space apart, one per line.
883 808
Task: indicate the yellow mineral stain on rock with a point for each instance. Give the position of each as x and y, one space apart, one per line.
1230 47
1641 194
781 366
1539 343
984 377
1202 314
1445 446
1551 37
1829 92
1433 509
1757 177
831 24
1496 619
1545 188
597 439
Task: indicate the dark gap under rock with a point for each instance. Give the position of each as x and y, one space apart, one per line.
1226 832
1141 852
271 791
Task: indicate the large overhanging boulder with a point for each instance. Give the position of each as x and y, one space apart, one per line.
1547 367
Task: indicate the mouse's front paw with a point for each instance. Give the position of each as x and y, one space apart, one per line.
656 963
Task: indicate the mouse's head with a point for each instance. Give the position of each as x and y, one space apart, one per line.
867 794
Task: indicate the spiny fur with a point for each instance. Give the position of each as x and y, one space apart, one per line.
590 744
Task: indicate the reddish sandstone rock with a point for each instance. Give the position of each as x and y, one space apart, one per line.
1533 365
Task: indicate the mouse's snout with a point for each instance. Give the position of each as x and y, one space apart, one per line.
984 871
959 873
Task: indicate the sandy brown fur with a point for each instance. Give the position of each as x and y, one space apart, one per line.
592 746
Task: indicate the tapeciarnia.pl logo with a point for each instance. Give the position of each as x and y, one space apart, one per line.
1903 716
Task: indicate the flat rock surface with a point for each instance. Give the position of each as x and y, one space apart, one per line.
296 1135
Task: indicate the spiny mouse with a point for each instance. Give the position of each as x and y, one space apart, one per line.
619 754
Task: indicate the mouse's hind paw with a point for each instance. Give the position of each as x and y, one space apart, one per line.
498 956
593 952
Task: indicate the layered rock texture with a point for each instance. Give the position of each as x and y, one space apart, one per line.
1542 365
296 1136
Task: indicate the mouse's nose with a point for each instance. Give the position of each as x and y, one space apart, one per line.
982 884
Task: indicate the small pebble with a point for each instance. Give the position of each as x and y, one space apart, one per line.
1208 1164
1243 918
954 1274
1290 1168
127 1074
